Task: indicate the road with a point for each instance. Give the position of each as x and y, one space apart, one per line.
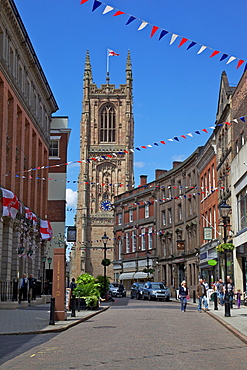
139 335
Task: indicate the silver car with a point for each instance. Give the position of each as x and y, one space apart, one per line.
155 290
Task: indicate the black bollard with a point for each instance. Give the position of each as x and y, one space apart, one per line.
194 296
73 305
215 301
52 311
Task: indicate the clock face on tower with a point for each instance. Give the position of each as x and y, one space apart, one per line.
105 205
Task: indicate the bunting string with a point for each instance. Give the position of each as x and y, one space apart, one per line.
123 152
163 32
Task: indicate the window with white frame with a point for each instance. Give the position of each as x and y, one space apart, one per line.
163 193
54 147
119 216
143 240
169 215
120 248
180 212
131 215
147 210
213 176
164 217
150 238
242 209
189 207
127 243
169 192
133 241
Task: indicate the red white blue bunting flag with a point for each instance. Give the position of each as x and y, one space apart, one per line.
154 29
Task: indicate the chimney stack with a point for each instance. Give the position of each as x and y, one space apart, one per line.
143 180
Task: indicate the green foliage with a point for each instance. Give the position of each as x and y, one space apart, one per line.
86 286
92 301
100 282
148 270
225 247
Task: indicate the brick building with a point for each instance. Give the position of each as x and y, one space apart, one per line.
157 227
26 105
59 139
208 206
135 233
239 183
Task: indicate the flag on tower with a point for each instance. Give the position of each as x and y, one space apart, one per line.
112 53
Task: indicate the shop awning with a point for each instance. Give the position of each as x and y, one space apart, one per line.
126 276
141 275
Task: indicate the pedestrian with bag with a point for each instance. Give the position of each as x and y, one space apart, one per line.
202 296
183 293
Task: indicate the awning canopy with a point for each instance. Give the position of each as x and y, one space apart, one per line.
141 275
126 276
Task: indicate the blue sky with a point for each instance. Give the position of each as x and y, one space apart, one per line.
175 90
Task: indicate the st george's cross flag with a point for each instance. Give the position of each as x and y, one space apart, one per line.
112 53
45 230
10 203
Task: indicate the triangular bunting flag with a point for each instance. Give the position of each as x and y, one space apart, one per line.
154 29
173 38
214 53
191 45
240 62
242 119
143 25
83 1
202 49
231 59
224 56
183 41
107 9
162 34
96 4
118 13
131 19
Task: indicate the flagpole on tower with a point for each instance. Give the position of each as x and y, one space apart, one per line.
107 68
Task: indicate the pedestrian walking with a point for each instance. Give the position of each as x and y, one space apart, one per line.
183 293
23 288
121 289
31 288
220 291
202 296
238 294
230 290
72 284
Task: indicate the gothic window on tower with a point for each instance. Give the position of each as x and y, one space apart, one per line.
108 124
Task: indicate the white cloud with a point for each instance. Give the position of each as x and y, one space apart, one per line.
71 198
139 164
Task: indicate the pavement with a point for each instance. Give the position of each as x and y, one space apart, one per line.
35 319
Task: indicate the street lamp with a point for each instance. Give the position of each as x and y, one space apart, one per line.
44 260
225 209
49 260
105 240
148 253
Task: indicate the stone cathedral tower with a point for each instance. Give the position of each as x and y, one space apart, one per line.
107 135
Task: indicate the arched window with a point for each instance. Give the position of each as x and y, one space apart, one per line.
108 124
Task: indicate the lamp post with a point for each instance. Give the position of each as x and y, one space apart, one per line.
44 261
148 253
49 260
224 212
105 240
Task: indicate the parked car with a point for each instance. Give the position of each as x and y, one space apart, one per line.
114 290
156 290
136 290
